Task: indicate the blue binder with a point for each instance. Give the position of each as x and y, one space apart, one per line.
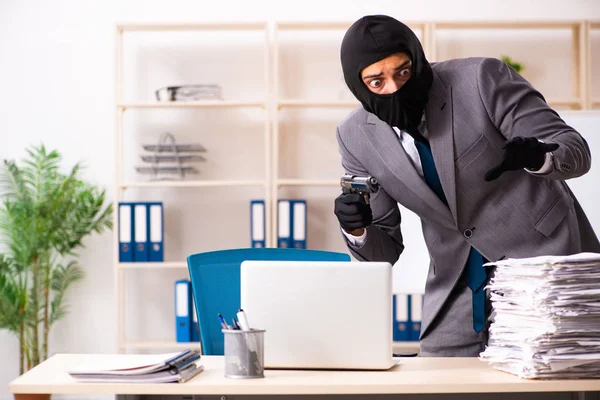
298 224
183 308
416 310
195 335
257 223
284 223
155 216
125 232
140 232
400 311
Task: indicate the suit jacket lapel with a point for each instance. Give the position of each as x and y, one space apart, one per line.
388 146
440 126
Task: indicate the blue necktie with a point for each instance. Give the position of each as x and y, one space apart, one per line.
475 274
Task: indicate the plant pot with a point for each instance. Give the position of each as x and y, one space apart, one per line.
32 396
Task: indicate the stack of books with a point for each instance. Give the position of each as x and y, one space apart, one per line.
545 318
141 368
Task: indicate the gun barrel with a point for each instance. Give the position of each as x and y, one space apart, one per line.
362 184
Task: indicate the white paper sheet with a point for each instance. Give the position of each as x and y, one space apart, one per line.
546 318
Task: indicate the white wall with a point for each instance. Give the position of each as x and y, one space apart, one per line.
57 76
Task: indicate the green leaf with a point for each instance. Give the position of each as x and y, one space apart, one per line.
61 278
13 297
45 215
513 64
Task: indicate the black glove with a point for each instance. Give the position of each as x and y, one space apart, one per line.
519 153
352 211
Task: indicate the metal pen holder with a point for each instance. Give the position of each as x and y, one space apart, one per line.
244 353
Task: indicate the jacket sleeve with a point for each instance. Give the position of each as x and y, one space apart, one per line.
384 238
517 109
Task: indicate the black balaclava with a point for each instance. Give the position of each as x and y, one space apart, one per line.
371 39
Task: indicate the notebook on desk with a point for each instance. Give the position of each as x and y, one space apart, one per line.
140 368
321 315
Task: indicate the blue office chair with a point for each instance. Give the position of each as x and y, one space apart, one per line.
215 278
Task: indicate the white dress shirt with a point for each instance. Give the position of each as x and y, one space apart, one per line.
408 144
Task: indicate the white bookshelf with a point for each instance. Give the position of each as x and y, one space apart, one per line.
153 265
307 182
317 104
124 342
193 104
580 58
573 103
273 104
593 99
399 347
191 26
280 103
194 184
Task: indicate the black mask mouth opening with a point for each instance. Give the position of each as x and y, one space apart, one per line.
371 39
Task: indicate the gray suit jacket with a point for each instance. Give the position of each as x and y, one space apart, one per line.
475 105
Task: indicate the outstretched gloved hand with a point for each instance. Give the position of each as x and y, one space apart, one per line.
521 152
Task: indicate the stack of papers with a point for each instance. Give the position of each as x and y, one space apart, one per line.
138 368
546 317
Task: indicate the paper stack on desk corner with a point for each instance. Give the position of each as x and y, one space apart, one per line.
546 317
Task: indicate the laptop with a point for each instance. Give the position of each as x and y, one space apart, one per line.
321 315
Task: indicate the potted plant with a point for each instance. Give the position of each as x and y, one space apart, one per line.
44 216
517 66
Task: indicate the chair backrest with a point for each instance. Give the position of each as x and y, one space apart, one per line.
215 278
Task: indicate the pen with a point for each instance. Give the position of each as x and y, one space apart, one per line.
250 339
236 325
223 323
243 320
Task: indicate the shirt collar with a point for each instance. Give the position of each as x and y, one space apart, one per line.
401 133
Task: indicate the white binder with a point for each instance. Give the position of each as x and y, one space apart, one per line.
284 222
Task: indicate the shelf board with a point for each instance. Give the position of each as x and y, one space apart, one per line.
308 182
211 26
565 102
506 24
159 344
192 104
318 104
153 265
191 184
353 103
332 25
405 346
315 25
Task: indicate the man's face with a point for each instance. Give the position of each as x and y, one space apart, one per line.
387 75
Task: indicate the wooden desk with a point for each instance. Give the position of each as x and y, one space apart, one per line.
411 375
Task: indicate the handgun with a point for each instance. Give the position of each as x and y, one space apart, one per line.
359 184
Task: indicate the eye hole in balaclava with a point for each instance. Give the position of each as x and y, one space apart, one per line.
371 39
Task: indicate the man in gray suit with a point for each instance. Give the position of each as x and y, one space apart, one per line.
474 150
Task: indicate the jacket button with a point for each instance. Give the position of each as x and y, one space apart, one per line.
468 233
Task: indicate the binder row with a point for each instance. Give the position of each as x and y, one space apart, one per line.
257 223
407 311
186 317
141 232
291 223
